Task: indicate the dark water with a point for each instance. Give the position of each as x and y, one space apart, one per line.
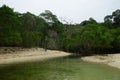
67 68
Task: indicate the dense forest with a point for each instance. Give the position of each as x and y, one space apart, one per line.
46 31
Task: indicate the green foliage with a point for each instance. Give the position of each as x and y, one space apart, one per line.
114 19
90 37
32 39
11 39
90 21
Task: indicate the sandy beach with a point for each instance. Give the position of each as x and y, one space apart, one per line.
110 59
33 54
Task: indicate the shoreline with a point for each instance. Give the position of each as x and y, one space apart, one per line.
28 55
109 59
34 54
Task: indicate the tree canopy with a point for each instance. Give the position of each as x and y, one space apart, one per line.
46 31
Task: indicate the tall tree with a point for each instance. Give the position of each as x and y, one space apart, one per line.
54 30
9 27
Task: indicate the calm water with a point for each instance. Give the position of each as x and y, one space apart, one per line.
67 68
